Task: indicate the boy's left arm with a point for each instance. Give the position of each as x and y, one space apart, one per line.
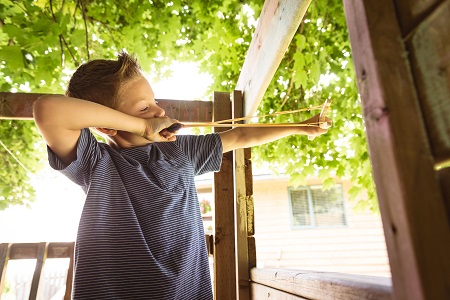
243 137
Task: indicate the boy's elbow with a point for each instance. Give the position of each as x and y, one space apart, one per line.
42 108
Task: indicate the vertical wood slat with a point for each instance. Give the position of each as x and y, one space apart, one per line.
240 202
41 255
69 279
444 179
224 241
429 49
4 257
411 202
249 191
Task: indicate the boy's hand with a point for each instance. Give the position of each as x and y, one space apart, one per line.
156 129
317 128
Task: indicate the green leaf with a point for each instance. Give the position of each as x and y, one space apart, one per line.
12 56
328 184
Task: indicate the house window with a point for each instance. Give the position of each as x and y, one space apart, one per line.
313 207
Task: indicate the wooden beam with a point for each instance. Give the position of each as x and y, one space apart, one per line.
240 207
20 106
412 206
224 243
429 50
278 22
320 285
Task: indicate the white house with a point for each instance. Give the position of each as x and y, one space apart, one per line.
307 228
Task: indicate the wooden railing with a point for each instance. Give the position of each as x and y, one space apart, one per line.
301 284
43 251
40 252
264 283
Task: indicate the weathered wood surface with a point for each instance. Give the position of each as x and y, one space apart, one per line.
413 12
20 106
411 202
260 292
240 204
4 257
41 256
444 179
69 279
251 252
430 56
224 236
249 192
23 250
278 22
60 250
322 285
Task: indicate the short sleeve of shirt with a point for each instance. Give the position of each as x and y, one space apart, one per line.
88 154
204 151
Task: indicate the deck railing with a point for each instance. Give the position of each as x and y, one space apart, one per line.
264 283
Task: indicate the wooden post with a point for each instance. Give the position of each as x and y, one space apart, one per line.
41 256
69 279
4 257
412 207
240 186
224 243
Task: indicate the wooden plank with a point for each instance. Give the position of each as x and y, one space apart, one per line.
251 252
69 279
278 22
224 243
444 179
263 292
240 203
323 285
24 251
209 239
60 250
20 106
249 190
4 257
40 260
410 199
412 12
430 56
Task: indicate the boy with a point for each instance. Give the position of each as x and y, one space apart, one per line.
140 234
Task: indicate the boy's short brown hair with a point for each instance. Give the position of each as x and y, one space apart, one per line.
101 80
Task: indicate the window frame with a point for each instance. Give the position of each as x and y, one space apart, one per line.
312 225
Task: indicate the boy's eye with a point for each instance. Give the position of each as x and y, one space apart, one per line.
144 109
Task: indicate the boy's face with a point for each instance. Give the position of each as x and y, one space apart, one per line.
137 99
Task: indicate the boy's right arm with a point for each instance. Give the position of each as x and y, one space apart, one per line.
60 120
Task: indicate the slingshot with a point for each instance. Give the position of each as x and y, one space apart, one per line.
231 122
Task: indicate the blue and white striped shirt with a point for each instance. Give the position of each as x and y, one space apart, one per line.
140 234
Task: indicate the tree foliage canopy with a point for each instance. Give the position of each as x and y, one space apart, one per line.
43 41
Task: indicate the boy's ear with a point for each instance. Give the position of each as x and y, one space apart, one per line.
107 131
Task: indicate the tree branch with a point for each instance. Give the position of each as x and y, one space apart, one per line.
67 46
83 10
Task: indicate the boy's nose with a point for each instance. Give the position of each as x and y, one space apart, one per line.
159 112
